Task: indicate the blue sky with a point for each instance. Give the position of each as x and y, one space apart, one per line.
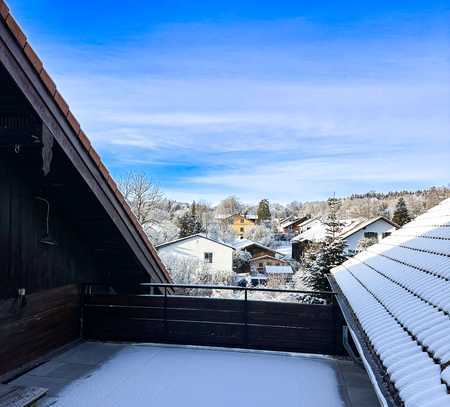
286 100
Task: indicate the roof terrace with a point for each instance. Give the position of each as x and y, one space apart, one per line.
108 374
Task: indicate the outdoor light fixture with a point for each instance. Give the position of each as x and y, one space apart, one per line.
21 297
46 239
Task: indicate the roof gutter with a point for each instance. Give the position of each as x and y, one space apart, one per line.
369 370
383 397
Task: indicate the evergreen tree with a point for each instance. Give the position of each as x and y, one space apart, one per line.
263 211
189 223
330 252
401 213
241 261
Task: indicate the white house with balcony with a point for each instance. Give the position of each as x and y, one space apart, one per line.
217 255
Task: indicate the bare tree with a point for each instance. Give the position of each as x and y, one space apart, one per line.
229 206
143 196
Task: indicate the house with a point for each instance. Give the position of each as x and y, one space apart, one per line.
63 221
262 257
276 273
241 223
260 264
314 231
73 317
217 255
395 300
292 226
283 272
311 231
376 228
254 248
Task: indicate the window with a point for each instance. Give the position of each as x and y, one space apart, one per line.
386 234
242 229
208 257
242 220
371 235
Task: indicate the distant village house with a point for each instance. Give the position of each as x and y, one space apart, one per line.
216 255
240 223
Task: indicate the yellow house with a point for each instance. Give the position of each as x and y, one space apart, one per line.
241 224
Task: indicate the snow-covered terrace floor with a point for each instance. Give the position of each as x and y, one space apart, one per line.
107 375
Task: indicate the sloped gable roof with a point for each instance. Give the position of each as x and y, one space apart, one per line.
7 18
355 228
289 222
197 235
266 256
243 244
279 270
399 292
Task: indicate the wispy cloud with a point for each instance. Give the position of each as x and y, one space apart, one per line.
286 109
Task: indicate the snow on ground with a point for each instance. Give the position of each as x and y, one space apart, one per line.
170 376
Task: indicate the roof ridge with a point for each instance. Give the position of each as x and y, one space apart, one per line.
190 237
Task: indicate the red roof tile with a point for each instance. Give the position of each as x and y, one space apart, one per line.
73 122
34 59
62 104
84 140
48 82
16 30
4 10
95 156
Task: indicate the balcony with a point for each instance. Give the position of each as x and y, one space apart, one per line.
171 348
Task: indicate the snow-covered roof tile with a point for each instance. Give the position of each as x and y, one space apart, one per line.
399 291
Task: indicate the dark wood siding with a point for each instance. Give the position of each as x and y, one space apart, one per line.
25 261
49 319
213 322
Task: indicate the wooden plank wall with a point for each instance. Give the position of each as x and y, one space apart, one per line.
213 322
24 261
48 320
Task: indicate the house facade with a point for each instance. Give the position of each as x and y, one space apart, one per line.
376 228
240 223
216 255
292 226
259 264
254 248
354 230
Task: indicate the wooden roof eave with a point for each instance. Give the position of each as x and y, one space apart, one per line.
28 73
370 360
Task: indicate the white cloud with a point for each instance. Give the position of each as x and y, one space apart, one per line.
284 112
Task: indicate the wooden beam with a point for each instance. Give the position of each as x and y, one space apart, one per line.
12 57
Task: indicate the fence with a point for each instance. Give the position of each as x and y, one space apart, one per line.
168 317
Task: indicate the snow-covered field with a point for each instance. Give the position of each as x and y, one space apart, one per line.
177 376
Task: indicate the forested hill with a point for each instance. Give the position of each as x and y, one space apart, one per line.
377 203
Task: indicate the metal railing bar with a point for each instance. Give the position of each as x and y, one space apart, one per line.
237 288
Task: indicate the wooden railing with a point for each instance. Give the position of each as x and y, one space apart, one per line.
168 317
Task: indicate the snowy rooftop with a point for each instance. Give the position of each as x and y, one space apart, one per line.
242 244
110 375
363 223
279 270
399 292
315 229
